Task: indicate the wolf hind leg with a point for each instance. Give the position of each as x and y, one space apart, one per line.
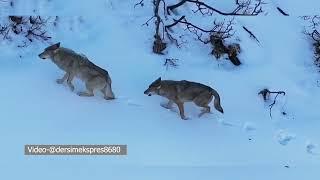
90 85
107 92
203 101
87 93
205 110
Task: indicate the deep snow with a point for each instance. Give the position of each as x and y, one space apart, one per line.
243 143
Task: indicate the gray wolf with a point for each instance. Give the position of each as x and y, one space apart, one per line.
179 92
77 65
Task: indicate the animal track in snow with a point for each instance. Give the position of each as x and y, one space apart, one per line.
284 137
248 127
132 103
224 122
129 101
311 148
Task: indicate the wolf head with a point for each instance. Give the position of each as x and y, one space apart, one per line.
153 87
49 51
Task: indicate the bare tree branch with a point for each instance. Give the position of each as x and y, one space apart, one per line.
266 95
313 32
217 34
222 28
30 27
243 8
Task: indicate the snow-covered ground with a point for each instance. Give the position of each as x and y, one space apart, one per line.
244 143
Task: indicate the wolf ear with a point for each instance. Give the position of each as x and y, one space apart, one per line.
56 46
53 47
158 80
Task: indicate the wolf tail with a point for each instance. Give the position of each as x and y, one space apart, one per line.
216 101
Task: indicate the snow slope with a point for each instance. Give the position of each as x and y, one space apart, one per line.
243 143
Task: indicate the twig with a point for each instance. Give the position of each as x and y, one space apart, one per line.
147 22
139 3
251 34
282 12
170 62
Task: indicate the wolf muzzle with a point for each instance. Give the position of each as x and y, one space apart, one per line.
147 92
41 57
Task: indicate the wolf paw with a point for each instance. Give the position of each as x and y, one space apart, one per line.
109 98
84 94
166 106
204 112
71 87
59 81
185 118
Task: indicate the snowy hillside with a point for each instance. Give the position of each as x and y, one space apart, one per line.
243 143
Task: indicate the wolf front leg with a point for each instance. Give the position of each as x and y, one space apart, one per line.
60 81
167 105
181 109
69 81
